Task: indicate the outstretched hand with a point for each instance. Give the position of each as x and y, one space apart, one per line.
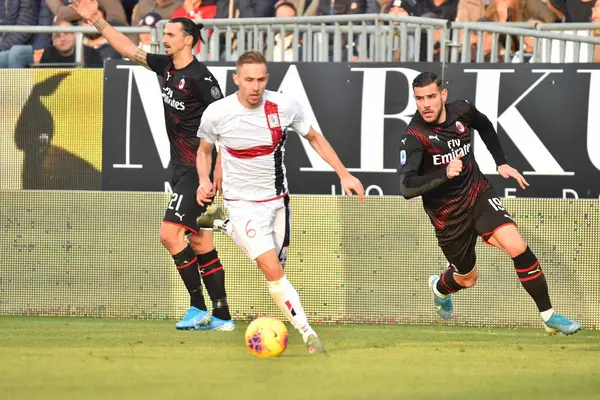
85 8
351 184
506 171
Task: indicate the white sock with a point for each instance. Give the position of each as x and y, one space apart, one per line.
288 301
547 314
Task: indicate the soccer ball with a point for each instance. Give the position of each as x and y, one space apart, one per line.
266 337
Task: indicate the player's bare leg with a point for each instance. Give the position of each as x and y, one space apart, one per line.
446 284
213 275
172 236
467 280
287 299
532 278
225 226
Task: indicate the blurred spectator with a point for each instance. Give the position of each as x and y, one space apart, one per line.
151 20
596 19
341 7
283 46
62 11
395 8
14 47
518 11
128 6
309 7
575 10
97 41
442 9
470 10
197 9
42 40
245 8
372 7
227 9
62 50
528 46
165 8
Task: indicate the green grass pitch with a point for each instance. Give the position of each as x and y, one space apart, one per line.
73 358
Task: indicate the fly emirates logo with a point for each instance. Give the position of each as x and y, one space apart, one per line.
455 150
167 96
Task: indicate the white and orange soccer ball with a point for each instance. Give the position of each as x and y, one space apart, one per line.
266 337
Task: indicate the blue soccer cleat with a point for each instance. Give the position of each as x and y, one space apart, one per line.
442 305
217 324
194 317
559 323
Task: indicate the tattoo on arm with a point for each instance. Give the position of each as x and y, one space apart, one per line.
100 24
140 57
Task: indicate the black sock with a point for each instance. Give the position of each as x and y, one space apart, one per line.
532 278
446 284
213 276
187 266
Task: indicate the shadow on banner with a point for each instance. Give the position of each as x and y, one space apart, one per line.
51 130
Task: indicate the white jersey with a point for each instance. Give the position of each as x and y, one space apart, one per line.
251 142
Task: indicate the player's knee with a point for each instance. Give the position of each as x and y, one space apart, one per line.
515 247
201 243
468 280
170 238
270 266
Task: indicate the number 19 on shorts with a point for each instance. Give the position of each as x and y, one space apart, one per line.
496 204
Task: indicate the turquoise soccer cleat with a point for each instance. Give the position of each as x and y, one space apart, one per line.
217 324
194 317
442 305
559 323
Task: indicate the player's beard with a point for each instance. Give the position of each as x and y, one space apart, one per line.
438 115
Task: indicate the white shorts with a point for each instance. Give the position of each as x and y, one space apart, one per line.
259 227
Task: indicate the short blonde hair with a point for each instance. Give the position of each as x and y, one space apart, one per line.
251 57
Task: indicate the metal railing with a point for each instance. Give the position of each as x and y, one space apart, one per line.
320 39
79 32
373 37
394 38
511 38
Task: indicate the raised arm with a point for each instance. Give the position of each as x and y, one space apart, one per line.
88 9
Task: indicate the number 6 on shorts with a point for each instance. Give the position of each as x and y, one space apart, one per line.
250 232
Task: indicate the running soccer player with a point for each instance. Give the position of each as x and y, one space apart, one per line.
187 89
251 127
437 163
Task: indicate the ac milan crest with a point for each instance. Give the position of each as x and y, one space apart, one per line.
460 128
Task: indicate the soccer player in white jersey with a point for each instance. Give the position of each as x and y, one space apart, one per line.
250 127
